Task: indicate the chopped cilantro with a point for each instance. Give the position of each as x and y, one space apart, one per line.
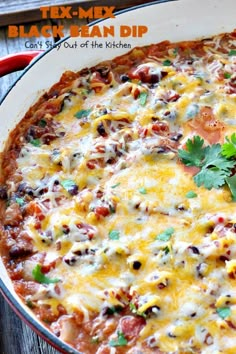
20 201
229 148
166 235
231 182
70 186
115 185
142 190
166 62
223 312
113 309
214 167
132 307
143 98
82 113
42 278
191 194
227 75
232 52
114 235
166 250
175 51
112 209
211 177
29 304
42 123
85 91
35 142
120 341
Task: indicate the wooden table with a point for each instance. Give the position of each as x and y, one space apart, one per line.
15 336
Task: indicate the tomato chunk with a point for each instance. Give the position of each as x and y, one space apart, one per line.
131 326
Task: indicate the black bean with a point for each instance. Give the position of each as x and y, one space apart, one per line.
74 190
176 137
101 130
194 249
181 207
103 71
23 189
3 192
124 78
19 250
137 265
150 309
65 229
111 161
70 261
223 258
47 138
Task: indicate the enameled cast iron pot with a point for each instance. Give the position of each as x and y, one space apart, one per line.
174 20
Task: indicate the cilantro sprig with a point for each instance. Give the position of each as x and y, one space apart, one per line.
119 342
229 148
215 162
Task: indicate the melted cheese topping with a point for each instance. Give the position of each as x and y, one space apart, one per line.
132 174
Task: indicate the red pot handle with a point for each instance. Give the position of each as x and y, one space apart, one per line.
18 61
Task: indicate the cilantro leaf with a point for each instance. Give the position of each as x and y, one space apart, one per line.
213 161
194 153
142 190
20 201
227 75
165 235
83 113
231 181
143 98
210 178
232 52
166 62
113 309
114 235
229 148
115 185
35 142
191 194
42 123
120 341
42 278
223 312
213 157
